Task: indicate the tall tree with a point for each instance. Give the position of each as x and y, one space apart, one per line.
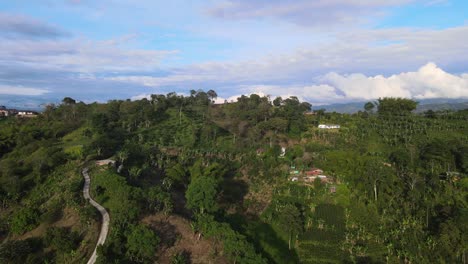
369 106
212 94
290 219
201 195
68 101
390 106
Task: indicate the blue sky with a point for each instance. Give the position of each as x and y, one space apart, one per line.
322 51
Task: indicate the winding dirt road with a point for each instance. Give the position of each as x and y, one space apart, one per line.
102 210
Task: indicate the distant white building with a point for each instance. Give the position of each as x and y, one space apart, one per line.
323 126
4 112
27 113
7 112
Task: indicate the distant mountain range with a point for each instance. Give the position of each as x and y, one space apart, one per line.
25 102
424 105
37 104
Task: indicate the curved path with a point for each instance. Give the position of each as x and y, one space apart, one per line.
102 210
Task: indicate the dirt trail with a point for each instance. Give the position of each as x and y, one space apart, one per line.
102 210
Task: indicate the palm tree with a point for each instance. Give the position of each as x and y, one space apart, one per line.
122 155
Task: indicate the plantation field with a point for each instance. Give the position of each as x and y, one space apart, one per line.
322 242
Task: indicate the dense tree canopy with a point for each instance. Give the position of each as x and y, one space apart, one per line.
201 194
395 106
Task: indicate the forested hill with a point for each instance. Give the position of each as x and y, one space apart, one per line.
255 181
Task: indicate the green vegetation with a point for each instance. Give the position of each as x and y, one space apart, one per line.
141 243
395 190
62 239
201 194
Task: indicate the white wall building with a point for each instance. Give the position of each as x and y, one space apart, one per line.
323 126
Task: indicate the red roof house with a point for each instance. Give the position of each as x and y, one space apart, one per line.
314 171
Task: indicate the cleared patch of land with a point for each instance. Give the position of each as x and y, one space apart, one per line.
177 236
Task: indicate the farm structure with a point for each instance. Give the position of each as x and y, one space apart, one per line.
323 126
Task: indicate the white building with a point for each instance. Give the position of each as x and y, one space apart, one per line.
323 126
27 113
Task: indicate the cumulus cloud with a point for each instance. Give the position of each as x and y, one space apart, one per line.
18 26
19 90
428 82
303 12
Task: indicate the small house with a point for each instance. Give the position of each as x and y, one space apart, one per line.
7 112
105 162
314 171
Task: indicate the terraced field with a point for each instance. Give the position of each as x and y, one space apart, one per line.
322 242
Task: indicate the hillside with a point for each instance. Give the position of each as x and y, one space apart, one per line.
255 181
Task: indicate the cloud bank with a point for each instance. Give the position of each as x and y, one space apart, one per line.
18 26
18 90
428 82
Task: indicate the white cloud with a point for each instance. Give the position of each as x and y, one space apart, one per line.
140 96
81 55
19 90
428 82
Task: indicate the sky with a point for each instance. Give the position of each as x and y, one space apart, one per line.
322 51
